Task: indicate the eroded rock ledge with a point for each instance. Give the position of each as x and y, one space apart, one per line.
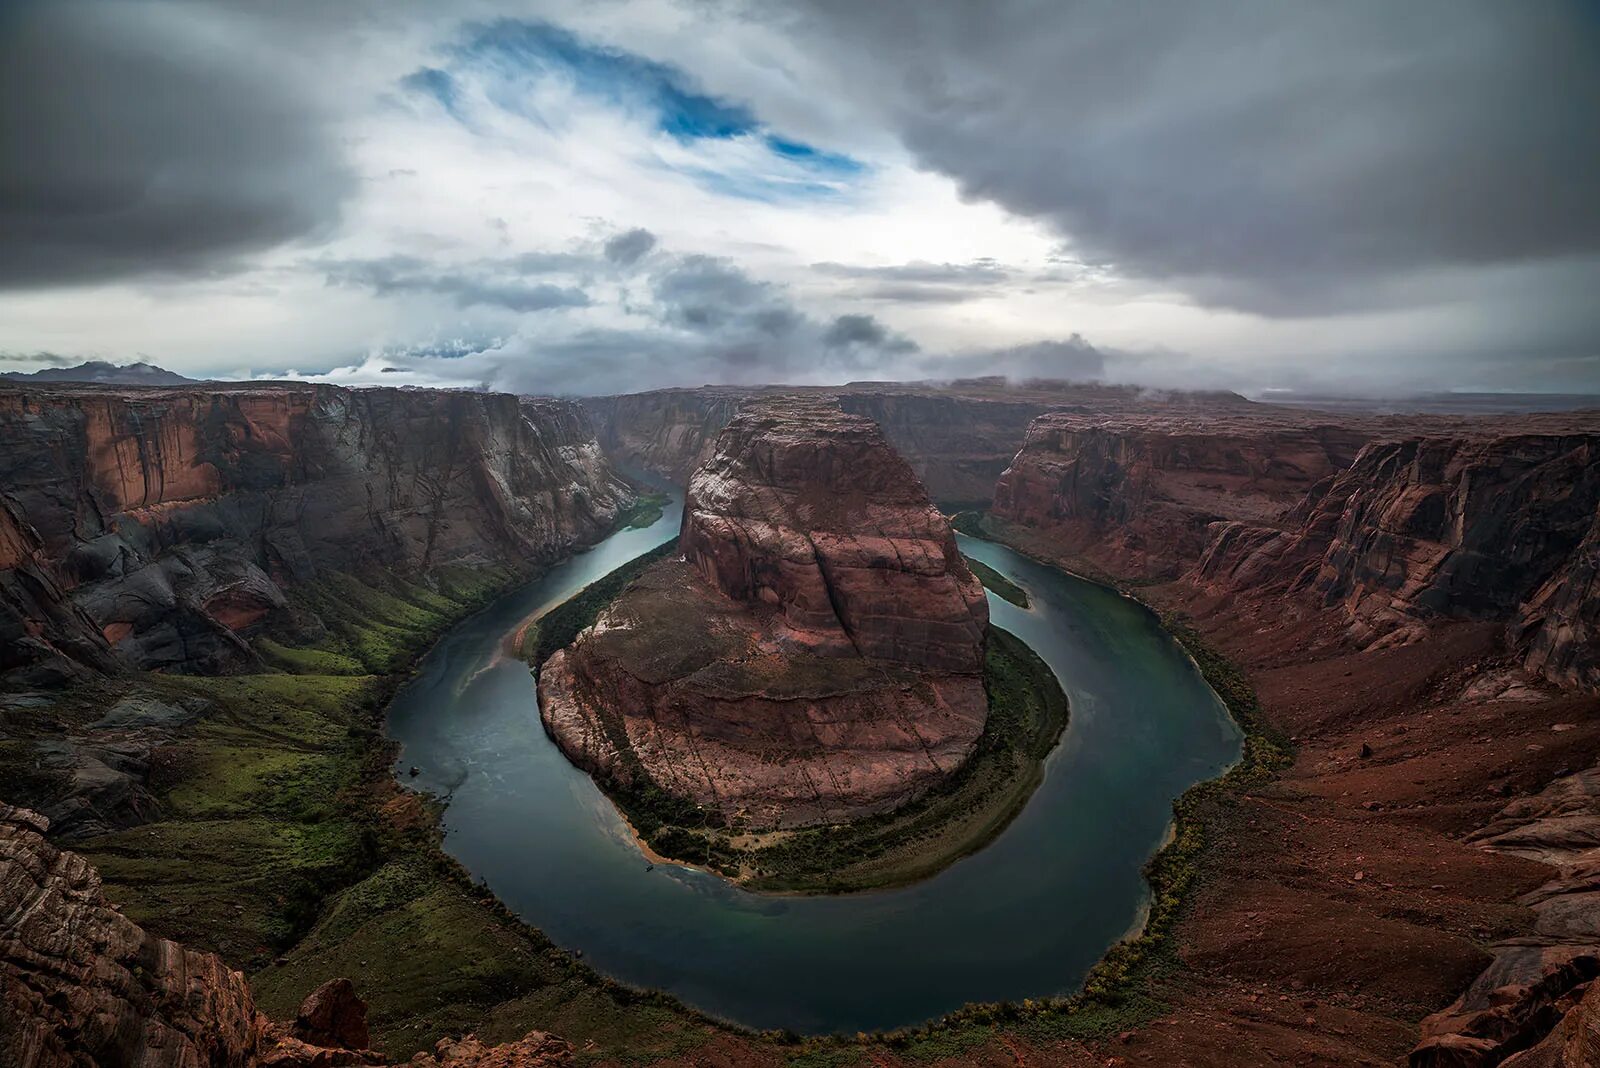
82 984
815 656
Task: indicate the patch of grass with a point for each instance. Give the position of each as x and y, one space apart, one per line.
646 511
998 584
301 661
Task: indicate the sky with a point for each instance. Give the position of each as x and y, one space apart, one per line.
1359 197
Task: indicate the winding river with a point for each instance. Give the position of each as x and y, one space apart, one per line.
1026 916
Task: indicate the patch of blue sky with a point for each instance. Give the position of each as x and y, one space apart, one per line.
514 51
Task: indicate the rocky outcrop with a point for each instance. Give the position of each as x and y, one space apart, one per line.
160 528
1391 531
1538 979
81 984
1460 527
817 653
1142 491
1499 528
812 512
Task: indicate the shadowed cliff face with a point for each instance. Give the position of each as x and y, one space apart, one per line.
1390 531
958 438
1143 489
160 528
815 656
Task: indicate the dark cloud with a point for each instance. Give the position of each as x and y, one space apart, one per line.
468 286
978 272
706 293
1074 359
1284 157
627 248
135 139
920 282
864 330
46 359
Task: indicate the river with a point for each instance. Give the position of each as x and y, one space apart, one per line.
1026 916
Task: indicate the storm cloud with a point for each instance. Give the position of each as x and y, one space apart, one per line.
138 139
1282 157
467 286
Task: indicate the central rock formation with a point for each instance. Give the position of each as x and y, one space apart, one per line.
815 655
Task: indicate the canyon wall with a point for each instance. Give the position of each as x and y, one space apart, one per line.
82 984
1140 492
1389 530
668 432
158 528
816 654
958 437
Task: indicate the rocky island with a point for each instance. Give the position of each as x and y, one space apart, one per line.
813 652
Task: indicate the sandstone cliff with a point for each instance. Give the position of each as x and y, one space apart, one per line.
958 437
1390 530
1141 491
816 655
1498 528
159 528
81 984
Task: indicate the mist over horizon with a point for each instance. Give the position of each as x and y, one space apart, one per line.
1286 201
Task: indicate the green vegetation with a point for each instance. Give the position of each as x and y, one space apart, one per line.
645 511
557 628
998 584
284 843
969 522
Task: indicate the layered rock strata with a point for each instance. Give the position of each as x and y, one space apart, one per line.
817 652
958 436
81 984
1499 528
160 528
1142 490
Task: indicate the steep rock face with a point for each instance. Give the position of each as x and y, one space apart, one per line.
958 444
160 527
958 437
667 431
81 984
1142 490
815 656
1391 532
1560 624
1459 527
811 511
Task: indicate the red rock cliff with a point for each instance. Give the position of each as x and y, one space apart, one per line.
81 984
171 520
1140 491
810 510
957 437
816 656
